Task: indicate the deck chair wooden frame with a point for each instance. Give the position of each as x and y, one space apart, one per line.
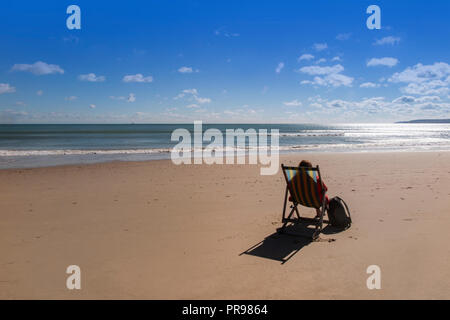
301 185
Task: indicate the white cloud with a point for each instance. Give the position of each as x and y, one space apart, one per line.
131 97
387 40
192 95
10 116
435 87
91 77
411 99
317 70
6 88
336 59
279 67
223 32
343 36
331 76
424 79
322 60
70 98
399 108
185 70
404 99
191 91
137 78
428 99
293 103
192 106
422 73
92 106
386 61
202 100
335 80
39 92
320 46
243 113
369 85
71 39
38 68
305 56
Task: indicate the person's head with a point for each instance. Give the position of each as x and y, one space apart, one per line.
305 163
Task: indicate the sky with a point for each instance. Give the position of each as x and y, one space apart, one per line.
224 61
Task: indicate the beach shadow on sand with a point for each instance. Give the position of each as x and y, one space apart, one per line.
283 246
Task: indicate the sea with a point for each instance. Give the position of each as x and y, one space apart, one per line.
37 145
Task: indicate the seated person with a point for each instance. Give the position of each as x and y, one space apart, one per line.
306 163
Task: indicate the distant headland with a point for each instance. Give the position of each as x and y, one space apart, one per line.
426 121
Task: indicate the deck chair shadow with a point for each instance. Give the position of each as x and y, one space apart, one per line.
305 187
280 247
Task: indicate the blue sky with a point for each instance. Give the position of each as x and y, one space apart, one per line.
224 61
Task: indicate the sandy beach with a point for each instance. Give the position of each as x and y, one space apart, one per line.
154 230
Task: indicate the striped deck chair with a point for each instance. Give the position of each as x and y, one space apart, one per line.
302 186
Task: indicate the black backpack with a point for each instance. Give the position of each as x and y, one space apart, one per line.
339 214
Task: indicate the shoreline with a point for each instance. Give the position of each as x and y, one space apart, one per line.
166 157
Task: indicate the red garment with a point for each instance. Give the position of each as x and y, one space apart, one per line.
319 186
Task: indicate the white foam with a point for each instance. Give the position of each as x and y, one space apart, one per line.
18 153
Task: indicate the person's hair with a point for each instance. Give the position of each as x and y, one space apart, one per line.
305 163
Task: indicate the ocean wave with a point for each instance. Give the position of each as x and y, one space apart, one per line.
425 143
311 134
18 153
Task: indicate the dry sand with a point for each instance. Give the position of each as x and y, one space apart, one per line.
159 231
